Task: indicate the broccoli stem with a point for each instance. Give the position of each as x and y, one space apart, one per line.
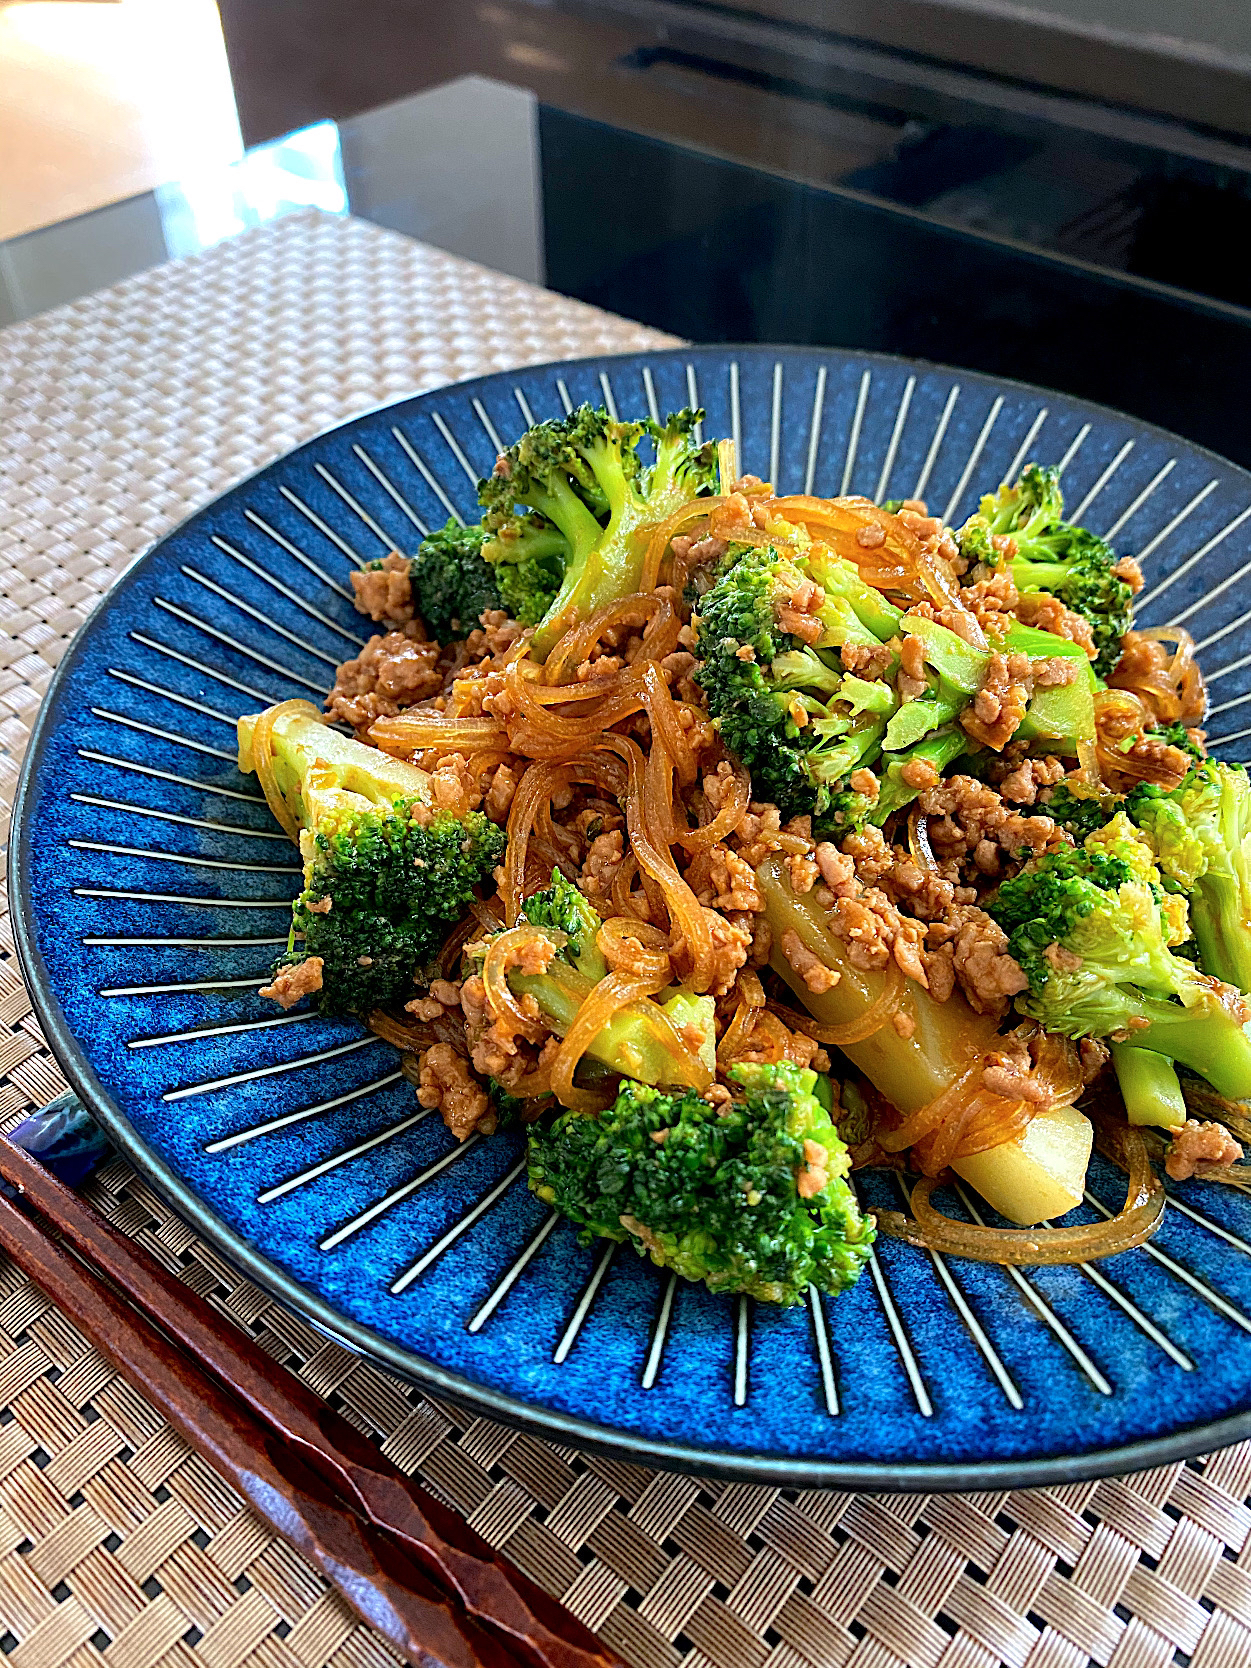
940 749
637 1041
1149 1086
1219 926
909 1071
1206 1037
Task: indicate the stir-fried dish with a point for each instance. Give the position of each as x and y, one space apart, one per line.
731 842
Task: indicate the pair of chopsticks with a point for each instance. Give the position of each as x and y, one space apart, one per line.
405 1563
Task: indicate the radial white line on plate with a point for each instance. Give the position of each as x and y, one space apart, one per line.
975 1329
570 1335
152 943
220 1030
775 424
742 1349
427 475
1209 1294
168 776
488 425
649 388
122 896
333 1163
610 404
301 1114
1169 528
1133 509
1043 1309
389 487
171 695
193 1089
453 1233
814 431
892 450
198 666
736 423
1212 1227
656 1351
1014 468
354 504
511 1275
1223 671
974 456
524 404
1143 1322
190 984
1226 706
1075 446
286 591
825 1359
564 395
931 457
311 514
301 556
255 614
397 1195
185 858
692 394
1211 596
177 817
1088 500
910 1364
853 439
238 647
163 735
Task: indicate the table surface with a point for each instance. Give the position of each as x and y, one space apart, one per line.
119 414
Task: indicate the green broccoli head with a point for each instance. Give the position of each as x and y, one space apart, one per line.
1078 814
782 705
452 584
1052 555
384 874
1094 933
749 1198
571 503
566 910
1200 835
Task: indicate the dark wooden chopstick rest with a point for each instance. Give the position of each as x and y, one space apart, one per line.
533 1624
381 1584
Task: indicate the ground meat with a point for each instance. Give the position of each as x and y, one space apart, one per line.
498 634
323 906
837 870
1200 1143
756 833
966 817
603 859
1022 784
730 944
385 592
988 976
919 773
1047 613
812 1175
995 712
863 781
446 1084
992 602
733 881
1008 1074
811 969
391 672
1129 570
872 661
1157 762
911 680
803 873
1141 657
296 979
500 792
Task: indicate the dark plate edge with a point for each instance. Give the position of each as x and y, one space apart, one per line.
852 1475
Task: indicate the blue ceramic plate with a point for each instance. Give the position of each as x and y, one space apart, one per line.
152 892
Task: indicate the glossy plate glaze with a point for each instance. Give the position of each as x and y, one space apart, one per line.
152 892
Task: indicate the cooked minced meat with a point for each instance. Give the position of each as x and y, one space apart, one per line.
385 592
391 672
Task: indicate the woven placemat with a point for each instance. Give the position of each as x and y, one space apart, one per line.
118 1546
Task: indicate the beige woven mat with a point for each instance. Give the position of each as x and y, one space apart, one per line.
118 1547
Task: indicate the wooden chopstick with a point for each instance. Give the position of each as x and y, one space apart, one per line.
451 1556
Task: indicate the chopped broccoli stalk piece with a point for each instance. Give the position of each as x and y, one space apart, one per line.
715 1194
572 502
1093 931
940 749
1200 834
1149 1087
385 874
1052 555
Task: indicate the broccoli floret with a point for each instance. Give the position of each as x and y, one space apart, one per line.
785 707
384 873
1093 931
572 501
1200 834
715 1193
1054 556
1078 814
1177 735
652 1038
452 585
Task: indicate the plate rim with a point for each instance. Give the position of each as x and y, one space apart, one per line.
867 1476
